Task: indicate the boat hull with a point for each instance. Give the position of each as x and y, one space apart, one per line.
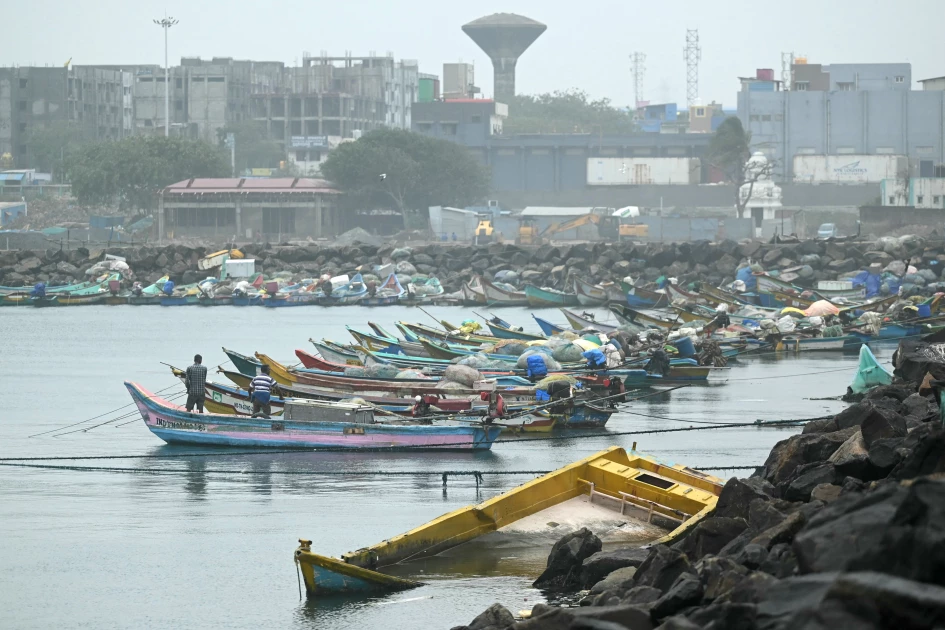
497 296
541 298
174 425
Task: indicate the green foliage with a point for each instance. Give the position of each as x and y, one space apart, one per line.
730 149
129 173
420 172
254 148
54 145
570 111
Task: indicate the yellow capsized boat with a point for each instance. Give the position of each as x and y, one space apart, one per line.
649 501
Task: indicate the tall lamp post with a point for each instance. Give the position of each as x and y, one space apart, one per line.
166 24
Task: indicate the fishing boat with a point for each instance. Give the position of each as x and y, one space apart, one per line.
581 415
243 363
390 292
547 327
504 330
633 317
25 299
586 320
677 293
768 283
334 354
846 343
472 292
307 424
545 297
589 294
305 296
628 498
498 296
428 292
638 297
349 293
220 398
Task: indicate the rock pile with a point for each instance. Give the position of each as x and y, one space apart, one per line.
714 263
843 527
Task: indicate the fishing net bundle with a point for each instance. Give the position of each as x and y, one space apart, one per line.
401 253
430 286
406 268
462 374
511 347
569 353
550 363
381 371
411 374
710 353
480 361
555 378
833 331
355 371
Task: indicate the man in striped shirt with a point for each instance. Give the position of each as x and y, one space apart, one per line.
260 392
196 382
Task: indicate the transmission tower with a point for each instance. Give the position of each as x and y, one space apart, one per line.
692 53
787 78
638 70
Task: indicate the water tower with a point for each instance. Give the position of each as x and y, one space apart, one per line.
504 37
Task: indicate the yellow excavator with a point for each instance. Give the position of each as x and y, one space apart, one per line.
607 228
485 231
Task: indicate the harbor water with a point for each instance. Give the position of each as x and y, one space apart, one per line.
207 542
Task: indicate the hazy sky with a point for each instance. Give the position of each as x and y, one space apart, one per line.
588 48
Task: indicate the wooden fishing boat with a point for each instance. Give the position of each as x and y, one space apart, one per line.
64 288
350 293
506 332
421 330
768 283
307 424
581 415
306 296
715 296
497 296
473 294
25 299
636 499
373 342
589 294
312 361
335 355
846 343
244 364
580 322
638 297
627 315
255 299
547 327
548 298
390 292
891 330
71 299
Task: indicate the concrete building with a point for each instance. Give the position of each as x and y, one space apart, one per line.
466 121
933 84
915 192
249 209
459 80
32 98
328 99
878 115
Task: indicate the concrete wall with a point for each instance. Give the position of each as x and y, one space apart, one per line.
881 220
785 124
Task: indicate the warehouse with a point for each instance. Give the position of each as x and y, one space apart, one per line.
249 209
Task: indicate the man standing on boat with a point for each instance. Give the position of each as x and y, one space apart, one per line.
196 382
260 392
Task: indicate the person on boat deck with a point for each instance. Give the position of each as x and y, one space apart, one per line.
39 290
421 407
595 359
196 381
260 392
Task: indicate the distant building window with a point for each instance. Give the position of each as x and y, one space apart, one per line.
801 86
22 106
700 112
23 83
892 200
885 150
179 83
779 117
936 199
754 118
144 79
766 118
215 79
449 129
178 105
919 199
22 127
846 150
301 156
424 127
845 86
923 150
475 119
900 79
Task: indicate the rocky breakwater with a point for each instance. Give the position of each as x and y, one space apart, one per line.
843 527
802 263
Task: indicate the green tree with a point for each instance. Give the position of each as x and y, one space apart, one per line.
54 145
570 111
729 151
254 147
399 169
130 172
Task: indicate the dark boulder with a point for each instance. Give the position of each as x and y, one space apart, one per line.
720 575
925 452
737 495
685 591
727 615
495 617
554 618
846 529
897 602
710 535
601 564
882 424
797 450
781 562
783 532
643 596
752 556
884 454
563 570
661 568
852 458
800 487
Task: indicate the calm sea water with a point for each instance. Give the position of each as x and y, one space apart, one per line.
201 549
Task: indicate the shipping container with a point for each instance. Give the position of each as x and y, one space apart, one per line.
848 169
641 171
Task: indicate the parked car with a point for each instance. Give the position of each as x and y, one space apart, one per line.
827 230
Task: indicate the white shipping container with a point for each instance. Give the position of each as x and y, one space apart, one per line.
641 171
847 169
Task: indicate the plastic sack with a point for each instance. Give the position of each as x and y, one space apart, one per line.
550 363
822 308
786 324
569 353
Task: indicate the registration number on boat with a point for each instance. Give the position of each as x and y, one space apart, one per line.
175 424
354 431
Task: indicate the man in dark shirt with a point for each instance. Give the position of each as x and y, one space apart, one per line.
196 382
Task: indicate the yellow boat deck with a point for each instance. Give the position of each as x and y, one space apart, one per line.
626 497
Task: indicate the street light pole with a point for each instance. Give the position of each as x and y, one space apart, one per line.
166 24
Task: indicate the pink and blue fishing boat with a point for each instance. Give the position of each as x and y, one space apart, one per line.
307 424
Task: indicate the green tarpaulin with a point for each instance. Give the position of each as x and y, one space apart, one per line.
870 373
